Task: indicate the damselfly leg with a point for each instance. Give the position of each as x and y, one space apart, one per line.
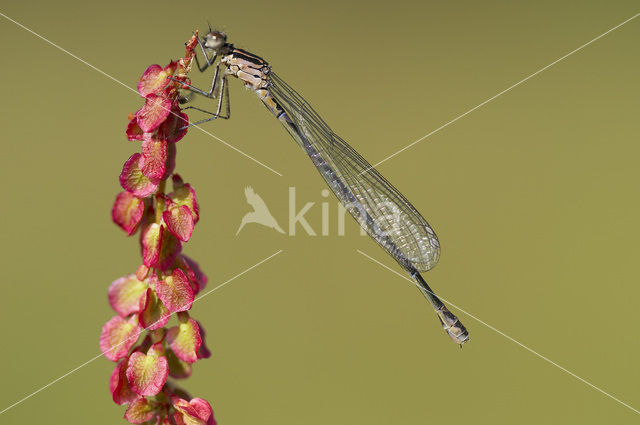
214 82
209 60
219 90
223 102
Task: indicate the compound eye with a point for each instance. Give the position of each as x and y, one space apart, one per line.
218 35
215 39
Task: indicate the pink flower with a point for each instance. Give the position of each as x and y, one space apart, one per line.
125 294
196 411
153 314
119 385
175 292
127 211
153 161
155 79
155 110
134 181
118 335
147 373
139 411
179 220
185 339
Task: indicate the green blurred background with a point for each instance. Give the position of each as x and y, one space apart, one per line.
534 198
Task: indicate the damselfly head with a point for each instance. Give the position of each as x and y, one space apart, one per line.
214 39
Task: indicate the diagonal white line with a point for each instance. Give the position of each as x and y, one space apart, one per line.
132 89
116 346
237 276
502 92
532 351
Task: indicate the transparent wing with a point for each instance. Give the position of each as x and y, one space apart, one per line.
385 214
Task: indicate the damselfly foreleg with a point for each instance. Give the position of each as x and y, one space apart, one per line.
210 60
223 101
210 94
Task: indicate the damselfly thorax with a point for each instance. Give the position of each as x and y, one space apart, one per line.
251 69
255 72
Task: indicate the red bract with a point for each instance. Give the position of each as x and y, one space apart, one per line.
153 314
171 160
139 411
184 339
125 293
134 132
197 411
177 181
151 244
142 272
147 373
155 79
132 180
196 276
203 351
190 53
153 162
175 292
118 335
119 386
167 281
179 221
184 194
174 127
127 211
171 248
178 369
153 113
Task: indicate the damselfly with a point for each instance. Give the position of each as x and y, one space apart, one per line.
386 215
